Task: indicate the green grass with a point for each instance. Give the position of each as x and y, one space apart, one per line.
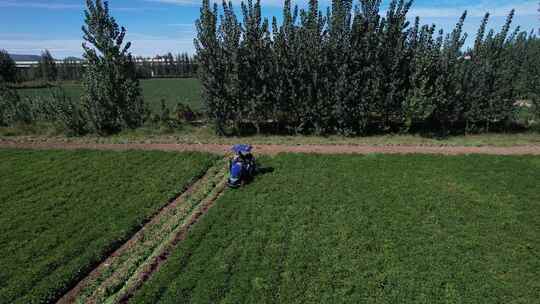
185 90
64 212
72 90
172 90
366 229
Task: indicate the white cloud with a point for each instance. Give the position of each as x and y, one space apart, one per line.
143 45
50 5
39 4
150 45
182 24
475 9
478 10
59 47
236 2
162 46
528 7
178 2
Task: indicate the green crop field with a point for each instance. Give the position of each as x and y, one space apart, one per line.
172 90
366 229
185 90
61 213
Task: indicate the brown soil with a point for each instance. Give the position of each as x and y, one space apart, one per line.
276 149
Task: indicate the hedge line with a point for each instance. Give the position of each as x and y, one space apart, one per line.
353 71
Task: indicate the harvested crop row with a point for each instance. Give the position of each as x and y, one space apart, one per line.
123 270
162 254
63 212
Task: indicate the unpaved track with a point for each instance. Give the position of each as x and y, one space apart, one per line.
276 149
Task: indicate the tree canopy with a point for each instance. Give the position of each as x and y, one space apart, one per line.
355 70
8 69
112 95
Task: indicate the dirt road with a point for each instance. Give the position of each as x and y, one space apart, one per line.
276 149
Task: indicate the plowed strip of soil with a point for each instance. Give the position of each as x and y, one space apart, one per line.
276 149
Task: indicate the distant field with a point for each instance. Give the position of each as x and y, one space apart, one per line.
366 229
61 213
185 90
173 90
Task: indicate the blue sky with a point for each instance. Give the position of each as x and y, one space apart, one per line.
160 26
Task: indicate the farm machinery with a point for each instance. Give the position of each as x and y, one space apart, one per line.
242 166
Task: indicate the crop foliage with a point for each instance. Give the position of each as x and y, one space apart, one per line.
65 212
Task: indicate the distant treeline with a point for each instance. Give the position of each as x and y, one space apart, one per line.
352 71
72 69
50 71
181 65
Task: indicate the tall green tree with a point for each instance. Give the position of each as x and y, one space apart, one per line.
112 95
255 65
212 71
536 92
449 107
421 100
47 66
8 69
363 98
312 104
491 91
285 53
393 59
229 33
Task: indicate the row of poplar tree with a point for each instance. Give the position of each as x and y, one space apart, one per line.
355 71
182 65
46 69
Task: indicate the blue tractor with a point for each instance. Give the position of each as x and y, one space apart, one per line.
242 166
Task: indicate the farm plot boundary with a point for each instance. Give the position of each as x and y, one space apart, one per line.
124 271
